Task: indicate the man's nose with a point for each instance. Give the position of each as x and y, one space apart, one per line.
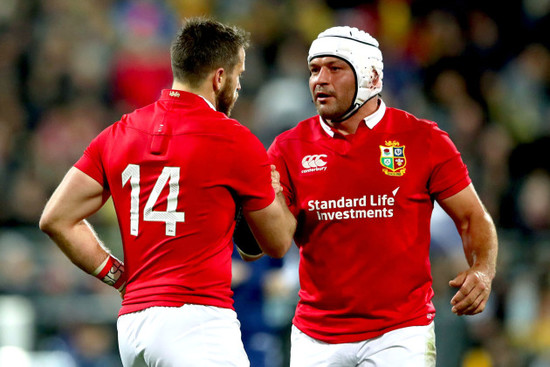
323 77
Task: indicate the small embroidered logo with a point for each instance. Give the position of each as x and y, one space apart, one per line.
314 162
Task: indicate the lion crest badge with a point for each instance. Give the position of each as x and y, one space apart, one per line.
392 158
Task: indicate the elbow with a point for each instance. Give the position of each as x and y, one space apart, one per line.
279 251
48 224
45 223
277 254
286 241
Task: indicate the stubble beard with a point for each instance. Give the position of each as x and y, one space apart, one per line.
226 98
329 113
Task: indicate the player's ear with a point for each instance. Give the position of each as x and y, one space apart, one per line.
218 79
376 81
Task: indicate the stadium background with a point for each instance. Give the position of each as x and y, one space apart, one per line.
481 69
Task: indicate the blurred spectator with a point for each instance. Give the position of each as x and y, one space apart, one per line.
534 201
260 339
19 270
285 97
141 62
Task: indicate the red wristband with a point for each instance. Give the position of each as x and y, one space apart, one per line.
111 272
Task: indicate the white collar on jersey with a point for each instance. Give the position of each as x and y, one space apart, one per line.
209 103
371 120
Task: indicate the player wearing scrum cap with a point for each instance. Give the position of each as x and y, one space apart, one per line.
361 178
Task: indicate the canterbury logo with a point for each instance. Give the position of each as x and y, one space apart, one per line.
174 94
314 161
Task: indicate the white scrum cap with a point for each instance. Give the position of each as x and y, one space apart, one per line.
361 51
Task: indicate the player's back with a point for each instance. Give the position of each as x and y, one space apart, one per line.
175 169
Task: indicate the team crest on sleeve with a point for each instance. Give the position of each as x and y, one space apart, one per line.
392 158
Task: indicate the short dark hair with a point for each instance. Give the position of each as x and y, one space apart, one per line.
203 45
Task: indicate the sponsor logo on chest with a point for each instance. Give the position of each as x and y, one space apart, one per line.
368 206
314 163
392 158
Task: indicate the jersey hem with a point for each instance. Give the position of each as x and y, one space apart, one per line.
357 337
142 306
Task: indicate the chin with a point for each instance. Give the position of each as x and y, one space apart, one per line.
329 116
327 113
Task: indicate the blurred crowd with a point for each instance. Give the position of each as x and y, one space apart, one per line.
480 69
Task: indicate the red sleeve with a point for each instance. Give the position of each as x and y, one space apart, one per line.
449 175
91 162
276 158
253 173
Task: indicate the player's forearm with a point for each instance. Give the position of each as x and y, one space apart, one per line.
285 227
81 245
480 243
289 221
77 197
273 227
78 242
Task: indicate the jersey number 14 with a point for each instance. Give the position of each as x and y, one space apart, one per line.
170 176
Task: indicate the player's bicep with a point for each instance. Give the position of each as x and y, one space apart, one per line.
463 206
77 197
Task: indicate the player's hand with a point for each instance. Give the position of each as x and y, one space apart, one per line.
275 180
474 287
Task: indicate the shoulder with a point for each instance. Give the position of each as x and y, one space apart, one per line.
407 119
107 133
304 130
403 121
232 124
234 136
141 118
233 129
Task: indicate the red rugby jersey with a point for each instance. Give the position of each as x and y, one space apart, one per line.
175 170
364 203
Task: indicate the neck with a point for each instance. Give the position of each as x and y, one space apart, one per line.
350 125
203 90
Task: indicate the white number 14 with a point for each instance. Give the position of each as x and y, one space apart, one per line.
170 216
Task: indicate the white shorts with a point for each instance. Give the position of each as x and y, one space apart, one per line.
191 335
407 347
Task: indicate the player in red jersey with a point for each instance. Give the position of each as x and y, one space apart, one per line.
362 179
177 170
